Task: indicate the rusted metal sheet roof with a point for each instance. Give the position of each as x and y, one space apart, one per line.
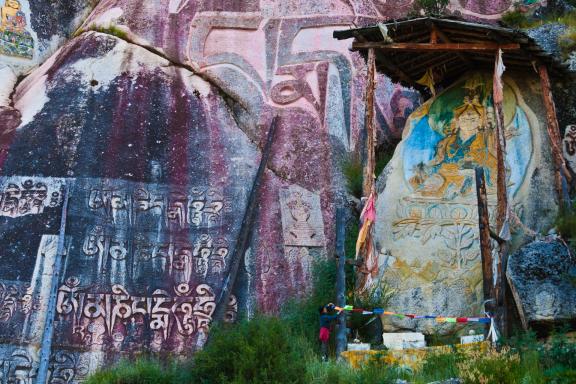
408 65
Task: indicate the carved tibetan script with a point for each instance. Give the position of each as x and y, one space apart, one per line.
20 196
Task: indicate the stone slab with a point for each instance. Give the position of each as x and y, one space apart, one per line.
406 340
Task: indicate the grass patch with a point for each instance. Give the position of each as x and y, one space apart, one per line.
136 372
270 350
110 30
353 170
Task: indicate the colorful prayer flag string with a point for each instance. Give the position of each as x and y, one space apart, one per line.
438 319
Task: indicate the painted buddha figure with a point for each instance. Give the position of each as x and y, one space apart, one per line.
12 17
468 143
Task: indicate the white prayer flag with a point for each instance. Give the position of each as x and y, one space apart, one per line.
497 87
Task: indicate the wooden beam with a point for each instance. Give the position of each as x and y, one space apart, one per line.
434 47
446 39
553 133
434 36
370 161
485 246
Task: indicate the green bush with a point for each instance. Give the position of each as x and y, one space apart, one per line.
431 7
566 223
301 315
352 169
136 372
262 350
382 159
515 19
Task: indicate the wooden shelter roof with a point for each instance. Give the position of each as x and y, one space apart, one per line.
450 47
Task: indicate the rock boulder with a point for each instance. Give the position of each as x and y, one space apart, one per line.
542 276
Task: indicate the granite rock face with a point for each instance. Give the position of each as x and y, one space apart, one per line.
542 276
136 180
127 157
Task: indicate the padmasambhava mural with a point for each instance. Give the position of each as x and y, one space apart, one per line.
428 228
15 40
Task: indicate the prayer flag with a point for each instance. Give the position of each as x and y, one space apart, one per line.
428 81
497 87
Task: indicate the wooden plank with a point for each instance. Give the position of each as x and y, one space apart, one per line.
434 47
370 163
485 246
553 133
246 228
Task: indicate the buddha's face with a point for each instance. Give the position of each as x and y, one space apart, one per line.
469 123
13 4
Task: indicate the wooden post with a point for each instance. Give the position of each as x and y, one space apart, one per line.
501 209
370 164
340 281
553 133
485 247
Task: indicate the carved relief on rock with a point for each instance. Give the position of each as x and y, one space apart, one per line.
28 196
302 221
127 204
428 218
124 318
19 365
16 298
67 367
569 147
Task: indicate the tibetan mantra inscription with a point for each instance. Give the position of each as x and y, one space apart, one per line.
27 197
142 266
126 318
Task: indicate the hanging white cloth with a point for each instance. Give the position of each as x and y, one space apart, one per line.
497 87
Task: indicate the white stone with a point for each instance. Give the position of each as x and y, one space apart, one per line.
358 346
471 339
406 340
